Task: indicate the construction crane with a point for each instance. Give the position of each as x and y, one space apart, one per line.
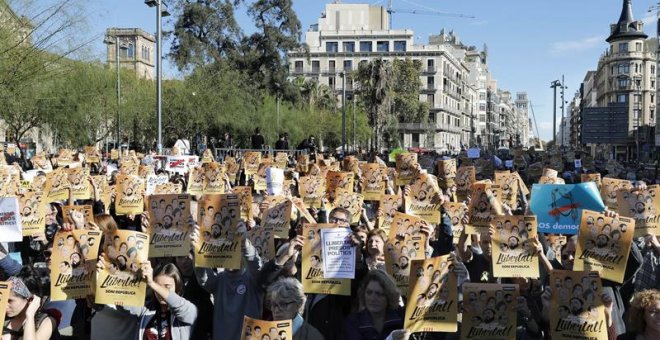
426 11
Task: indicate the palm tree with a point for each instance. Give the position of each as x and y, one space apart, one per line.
374 82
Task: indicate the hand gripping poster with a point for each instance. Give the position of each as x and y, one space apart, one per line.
609 189
251 162
388 206
350 201
576 308
433 297
373 184
421 199
78 216
338 181
405 168
484 205
644 207
277 216
465 177
57 185
219 244
120 281
312 191
33 213
129 198
456 212
254 329
313 279
399 252
169 225
74 264
489 311
514 247
604 245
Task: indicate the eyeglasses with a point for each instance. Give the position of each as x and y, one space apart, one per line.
377 294
338 220
281 305
653 311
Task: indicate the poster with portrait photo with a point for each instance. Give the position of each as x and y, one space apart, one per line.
168 188
145 170
129 167
338 181
104 189
609 190
447 168
480 210
420 200
74 264
169 225
281 160
64 157
231 167
389 205
196 178
513 247
406 164
644 207
592 178
312 191
302 163
405 224
456 213
130 195
576 308
489 311
313 279
92 155
263 241
33 213
350 201
277 216
604 244
373 181
81 187
57 186
152 181
10 182
254 329
220 242
120 281
399 252
465 177
85 211
433 288
259 181
207 156
245 196
251 161
41 162
214 178
508 183
555 243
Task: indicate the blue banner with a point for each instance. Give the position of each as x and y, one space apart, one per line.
558 207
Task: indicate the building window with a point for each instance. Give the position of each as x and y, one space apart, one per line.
331 66
432 117
383 46
348 46
623 47
638 47
652 84
399 46
299 66
348 65
652 98
652 69
331 47
331 82
430 83
482 107
415 139
430 99
366 46
624 68
131 50
623 83
316 66
622 98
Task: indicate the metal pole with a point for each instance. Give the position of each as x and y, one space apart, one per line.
554 114
638 108
159 75
118 135
354 144
343 114
563 126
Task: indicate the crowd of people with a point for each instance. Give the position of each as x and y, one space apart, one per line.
187 302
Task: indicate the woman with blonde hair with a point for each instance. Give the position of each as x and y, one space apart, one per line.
287 301
643 316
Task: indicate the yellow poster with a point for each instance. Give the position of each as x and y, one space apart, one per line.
33 213
312 265
81 188
521 184
57 186
302 163
41 162
169 220
446 168
245 197
86 212
405 168
350 201
373 181
465 177
312 191
114 154
5 291
609 189
214 178
643 206
196 179
513 247
281 160
338 181
433 297
120 282
404 224
481 210
489 311
145 171
277 216
263 241
219 245
74 264
10 180
254 329
64 157
101 182
259 179
400 251
129 167
388 206
555 243
604 245
231 167
576 308
251 161
421 198
207 156
508 182
456 212
92 155
584 178
130 195
168 188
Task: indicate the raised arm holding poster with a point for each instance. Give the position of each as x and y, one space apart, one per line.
609 189
484 205
84 214
277 216
129 198
389 205
338 253
576 308
421 199
433 298
513 247
10 220
74 264
405 168
33 213
399 252
604 245
373 184
254 329
558 207
245 197
312 191
169 225
489 311
465 177
644 207
312 265
219 245
81 187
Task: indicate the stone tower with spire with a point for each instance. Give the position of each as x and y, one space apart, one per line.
626 76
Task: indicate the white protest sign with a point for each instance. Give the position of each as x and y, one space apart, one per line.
180 164
10 220
508 164
578 163
338 254
474 153
153 181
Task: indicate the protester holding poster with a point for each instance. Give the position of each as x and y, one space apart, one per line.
423 198
350 201
514 247
277 216
130 198
484 205
489 311
251 161
399 253
312 191
287 300
406 165
313 278
389 205
465 177
74 258
644 207
170 226
610 188
373 182
338 181
254 329
33 213
219 245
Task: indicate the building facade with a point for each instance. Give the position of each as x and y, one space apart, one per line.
454 77
136 51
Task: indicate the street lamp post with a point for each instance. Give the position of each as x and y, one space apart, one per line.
160 13
343 113
638 110
554 86
110 41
